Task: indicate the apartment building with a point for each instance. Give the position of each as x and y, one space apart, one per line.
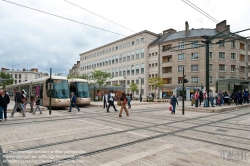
124 59
139 57
75 70
24 75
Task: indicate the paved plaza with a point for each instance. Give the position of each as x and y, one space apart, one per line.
150 135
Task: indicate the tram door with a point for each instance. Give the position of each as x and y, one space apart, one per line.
72 87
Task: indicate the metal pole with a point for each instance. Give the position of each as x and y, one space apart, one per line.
182 92
207 66
50 83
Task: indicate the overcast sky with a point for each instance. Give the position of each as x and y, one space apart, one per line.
31 39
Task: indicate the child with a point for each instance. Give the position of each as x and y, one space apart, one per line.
37 105
218 101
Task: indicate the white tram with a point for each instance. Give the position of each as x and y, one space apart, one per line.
40 87
81 90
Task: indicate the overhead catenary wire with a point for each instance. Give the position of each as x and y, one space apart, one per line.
63 18
99 15
202 12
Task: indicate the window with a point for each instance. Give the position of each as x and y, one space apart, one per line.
116 72
210 55
155 64
128 70
124 71
142 53
194 80
120 47
180 79
194 44
25 76
120 71
120 58
20 76
113 59
221 43
137 41
133 55
180 68
116 48
113 49
110 59
233 55
210 80
137 54
194 68
194 56
132 43
221 77
100 62
242 69
137 69
242 46
133 70
132 81
142 68
181 45
15 76
242 57
109 49
128 56
124 57
221 55
137 82
149 55
142 40
20 81
210 67
149 65
128 82
142 81
181 57
107 61
103 62
149 76
124 45
232 44
222 67
113 72
128 44
232 68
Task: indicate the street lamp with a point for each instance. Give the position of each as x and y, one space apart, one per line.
140 90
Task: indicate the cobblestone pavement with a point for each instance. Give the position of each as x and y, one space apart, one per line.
150 135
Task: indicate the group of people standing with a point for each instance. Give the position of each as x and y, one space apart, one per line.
110 98
218 98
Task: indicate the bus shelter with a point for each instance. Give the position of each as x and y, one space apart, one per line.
232 85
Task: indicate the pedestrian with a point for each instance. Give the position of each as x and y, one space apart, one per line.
6 102
131 96
18 103
211 97
111 98
192 100
196 97
73 102
32 100
37 105
140 98
24 100
105 100
245 97
200 96
129 101
2 103
226 98
173 103
124 101
205 98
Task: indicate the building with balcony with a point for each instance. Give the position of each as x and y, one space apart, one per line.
136 58
24 75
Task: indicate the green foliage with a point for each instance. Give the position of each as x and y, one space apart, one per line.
133 87
84 76
59 74
156 82
6 76
100 77
116 84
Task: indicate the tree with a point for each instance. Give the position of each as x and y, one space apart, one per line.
83 76
59 74
133 87
116 84
156 83
7 82
100 77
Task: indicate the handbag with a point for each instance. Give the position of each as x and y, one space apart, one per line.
170 108
124 101
119 102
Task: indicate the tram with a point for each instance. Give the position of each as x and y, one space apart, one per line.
81 90
40 87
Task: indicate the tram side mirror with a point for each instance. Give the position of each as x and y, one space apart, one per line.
50 86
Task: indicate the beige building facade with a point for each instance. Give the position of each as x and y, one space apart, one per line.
166 55
75 71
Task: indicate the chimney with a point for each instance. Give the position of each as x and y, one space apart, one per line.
221 26
186 28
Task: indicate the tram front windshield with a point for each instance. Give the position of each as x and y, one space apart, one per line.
60 89
82 89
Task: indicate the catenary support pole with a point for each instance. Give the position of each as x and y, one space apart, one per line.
50 91
183 92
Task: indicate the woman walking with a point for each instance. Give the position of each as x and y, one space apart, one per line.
124 101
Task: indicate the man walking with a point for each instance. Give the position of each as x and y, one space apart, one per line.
37 105
73 102
18 103
1 105
111 99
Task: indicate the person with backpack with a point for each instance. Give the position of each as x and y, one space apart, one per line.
124 101
111 98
